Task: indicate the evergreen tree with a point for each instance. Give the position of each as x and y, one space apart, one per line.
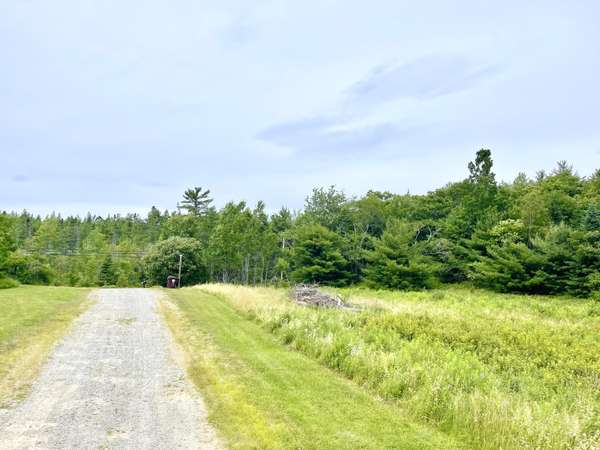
317 256
7 237
106 274
591 218
396 261
196 201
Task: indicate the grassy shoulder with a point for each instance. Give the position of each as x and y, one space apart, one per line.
261 395
32 319
503 371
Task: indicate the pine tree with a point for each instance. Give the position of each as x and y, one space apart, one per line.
196 201
317 256
396 261
107 275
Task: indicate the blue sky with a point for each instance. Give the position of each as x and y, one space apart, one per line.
111 106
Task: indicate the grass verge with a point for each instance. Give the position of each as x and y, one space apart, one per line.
501 371
32 319
261 395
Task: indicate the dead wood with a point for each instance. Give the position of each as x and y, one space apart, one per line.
311 295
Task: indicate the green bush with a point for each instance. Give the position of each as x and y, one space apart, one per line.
8 283
163 260
28 269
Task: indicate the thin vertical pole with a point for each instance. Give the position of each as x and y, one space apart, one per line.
179 277
282 249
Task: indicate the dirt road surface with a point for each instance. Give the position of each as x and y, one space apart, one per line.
112 383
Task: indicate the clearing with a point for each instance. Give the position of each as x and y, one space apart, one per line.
483 370
262 395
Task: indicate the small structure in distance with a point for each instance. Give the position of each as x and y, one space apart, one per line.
172 282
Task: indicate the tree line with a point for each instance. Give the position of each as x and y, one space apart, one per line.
538 235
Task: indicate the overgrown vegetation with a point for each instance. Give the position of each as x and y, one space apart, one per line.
260 395
537 236
499 371
32 319
7 283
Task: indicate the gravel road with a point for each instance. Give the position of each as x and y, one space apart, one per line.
112 383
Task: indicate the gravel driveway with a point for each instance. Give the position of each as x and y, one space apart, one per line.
112 383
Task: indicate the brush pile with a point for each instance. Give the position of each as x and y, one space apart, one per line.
310 295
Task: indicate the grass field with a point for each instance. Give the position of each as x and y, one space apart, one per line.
491 371
261 395
32 319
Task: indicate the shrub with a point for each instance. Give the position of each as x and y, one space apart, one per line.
28 269
163 260
8 283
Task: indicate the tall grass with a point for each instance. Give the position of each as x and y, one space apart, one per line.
261 396
510 372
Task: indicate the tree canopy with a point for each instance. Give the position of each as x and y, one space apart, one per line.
531 235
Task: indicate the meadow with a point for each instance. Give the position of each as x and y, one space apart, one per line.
262 395
485 370
32 319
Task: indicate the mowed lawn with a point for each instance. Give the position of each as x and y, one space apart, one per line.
487 370
32 319
262 395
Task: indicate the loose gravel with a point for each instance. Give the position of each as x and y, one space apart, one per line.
112 383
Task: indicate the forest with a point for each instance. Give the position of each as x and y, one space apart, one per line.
536 236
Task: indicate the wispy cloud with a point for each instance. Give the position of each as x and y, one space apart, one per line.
427 77
20 178
333 135
424 78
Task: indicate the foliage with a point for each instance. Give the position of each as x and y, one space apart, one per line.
162 260
107 275
7 240
328 208
317 256
563 260
8 283
28 269
196 201
535 235
397 262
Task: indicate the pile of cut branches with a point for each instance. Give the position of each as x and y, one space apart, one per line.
310 295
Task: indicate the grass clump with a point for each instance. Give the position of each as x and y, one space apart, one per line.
8 283
502 371
32 319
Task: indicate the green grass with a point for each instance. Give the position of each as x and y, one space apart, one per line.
501 371
262 395
32 319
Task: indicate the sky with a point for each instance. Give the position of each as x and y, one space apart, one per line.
112 107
